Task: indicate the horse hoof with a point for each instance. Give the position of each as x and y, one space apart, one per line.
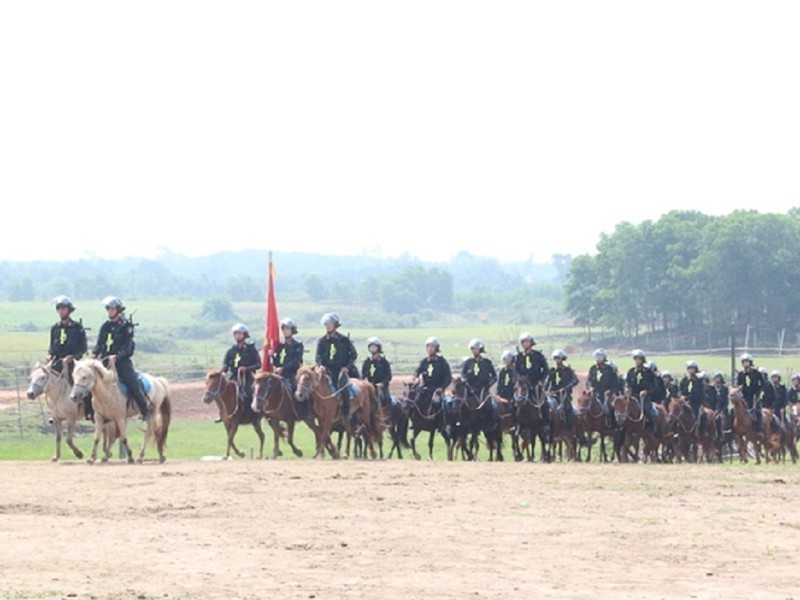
104 459
55 459
139 461
162 459
90 461
79 455
298 452
130 460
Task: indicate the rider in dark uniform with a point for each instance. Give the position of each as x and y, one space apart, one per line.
793 396
242 356
337 354
115 344
691 387
377 370
68 344
670 387
603 381
751 383
433 372
478 371
561 380
505 377
641 383
288 356
779 395
531 363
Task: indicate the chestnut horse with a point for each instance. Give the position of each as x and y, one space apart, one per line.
232 412
592 419
630 420
683 424
273 398
110 404
565 425
743 426
313 386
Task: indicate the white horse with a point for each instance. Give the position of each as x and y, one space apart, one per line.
56 389
110 404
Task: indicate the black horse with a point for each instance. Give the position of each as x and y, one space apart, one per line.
426 412
533 420
474 413
396 418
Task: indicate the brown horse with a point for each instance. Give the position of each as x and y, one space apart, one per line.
778 438
592 419
564 423
365 416
660 440
313 385
743 426
684 425
630 421
232 412
707 434
273 398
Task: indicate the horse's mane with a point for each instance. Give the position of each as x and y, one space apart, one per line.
97 366
306 369
213 372
266 375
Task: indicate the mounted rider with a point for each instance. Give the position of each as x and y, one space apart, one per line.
115 345
779 395
531 363
670 387
659 395
288 356
603 381
432 375
561 378
793 396
244 357
478 371
337 354
691 387
68 344
641 382
377 370
505 377
751 383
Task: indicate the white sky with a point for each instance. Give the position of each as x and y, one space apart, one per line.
504 128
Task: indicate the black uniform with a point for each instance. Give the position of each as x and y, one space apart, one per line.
768 395
672 391
533 366
659 394
602 379
640 379
793 396
116 338
68 338
692 389
720 398
288 356
751 383
779 405
505 383
563 378
378 370
242 356
435 374
479 374
335 352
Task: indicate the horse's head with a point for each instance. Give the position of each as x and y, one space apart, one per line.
308 380
84 378
38 381
737 398
585 401
458 391
215 383
264 385
621 405
522 389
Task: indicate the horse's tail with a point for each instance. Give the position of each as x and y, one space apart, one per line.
162 421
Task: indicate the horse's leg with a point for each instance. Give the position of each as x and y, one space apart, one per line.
275 425
122 426
57 426
430 443
414 443
231 444
290 423
98 430
70 441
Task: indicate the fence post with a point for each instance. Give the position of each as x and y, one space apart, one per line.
19 401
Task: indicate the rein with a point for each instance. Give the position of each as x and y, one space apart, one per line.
217 396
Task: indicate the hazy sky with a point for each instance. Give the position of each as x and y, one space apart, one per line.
504 128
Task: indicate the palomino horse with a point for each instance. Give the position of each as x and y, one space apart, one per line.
233 413
630 421
274 400
426 413
592 419
474 415
532 420
90 376
56 389
313 385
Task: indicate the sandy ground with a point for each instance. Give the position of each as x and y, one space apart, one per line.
329 529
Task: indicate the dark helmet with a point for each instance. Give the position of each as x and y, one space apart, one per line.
113 302
62 300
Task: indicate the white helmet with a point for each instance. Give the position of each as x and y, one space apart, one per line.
796 377
375 341
775 373
507 356
746 357
652 365
638 354
113 302
476 343
559 354
330 319
62 300
599 354
240 328
666 374
529 337
290 324
433 341
692 364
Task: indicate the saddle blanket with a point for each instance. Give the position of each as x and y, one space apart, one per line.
143 381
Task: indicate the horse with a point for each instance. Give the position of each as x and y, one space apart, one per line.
661 439
313 385
630 421
743 426
563 429
474 414
426 413
232 411
531 421
396 419
683 423
592 419
109 403
707 434
274 400
365 416
779 438
56 389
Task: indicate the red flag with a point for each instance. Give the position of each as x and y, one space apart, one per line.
273 334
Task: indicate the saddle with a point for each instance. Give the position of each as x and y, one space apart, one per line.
145 384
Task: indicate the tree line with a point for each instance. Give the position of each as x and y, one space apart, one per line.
692 279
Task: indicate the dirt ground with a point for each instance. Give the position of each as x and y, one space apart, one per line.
306 529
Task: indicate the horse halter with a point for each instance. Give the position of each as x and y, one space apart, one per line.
212 394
